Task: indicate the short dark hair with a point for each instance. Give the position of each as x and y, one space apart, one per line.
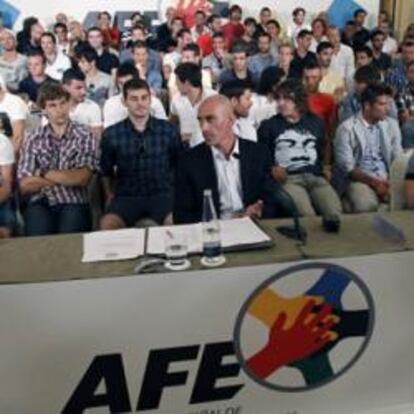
104 13
50 91
217 35
374 91
298 10
49 34
234 8
182 31
274 22
363 49
133 85
61 25
139 44
376 33
239 46
323 46
37 53
359 11
367 74
88 53
193 47
303 33
234 89
189 72
94 29
127 69
212 17
311 64
265 9
265 34
269 79
293 89
200 12
350 23
72 74
249 20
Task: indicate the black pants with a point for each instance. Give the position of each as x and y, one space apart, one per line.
43 219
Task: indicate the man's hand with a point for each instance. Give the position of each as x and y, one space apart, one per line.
168 221
255 210
327 172
381 188
279 174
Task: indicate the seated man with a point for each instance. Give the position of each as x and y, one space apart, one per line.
364 148
7 216
236 170
137 163
295 138
241 102
114 110
55 165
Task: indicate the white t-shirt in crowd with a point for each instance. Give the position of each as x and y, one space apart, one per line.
12 108
56 68
187 115
6 151
244 128
344 63
262 109
87 113
114 110
390 46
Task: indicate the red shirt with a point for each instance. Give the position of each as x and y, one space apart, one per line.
205 42
324 106
231 32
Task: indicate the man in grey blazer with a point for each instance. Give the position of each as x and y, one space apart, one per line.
365 147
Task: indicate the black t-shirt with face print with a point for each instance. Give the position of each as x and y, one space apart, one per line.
295 147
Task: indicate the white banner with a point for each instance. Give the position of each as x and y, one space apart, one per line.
301 338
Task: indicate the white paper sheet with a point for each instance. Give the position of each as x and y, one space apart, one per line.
113 245
236 232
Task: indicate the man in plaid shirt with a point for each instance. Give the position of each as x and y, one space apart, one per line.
138 162
405 105
56 163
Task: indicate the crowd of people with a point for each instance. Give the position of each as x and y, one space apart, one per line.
139 123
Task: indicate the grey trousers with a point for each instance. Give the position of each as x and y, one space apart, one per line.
313 195
362 198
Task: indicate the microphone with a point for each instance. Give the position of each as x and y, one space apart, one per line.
295 231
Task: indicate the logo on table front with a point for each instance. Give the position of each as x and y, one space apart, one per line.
304 327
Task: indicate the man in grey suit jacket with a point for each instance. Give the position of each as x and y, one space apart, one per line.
365 146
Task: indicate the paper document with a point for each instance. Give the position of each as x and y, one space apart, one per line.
113 245
235 232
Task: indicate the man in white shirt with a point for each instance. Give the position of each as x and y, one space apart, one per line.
343 60
191 53
223 164
56 61
7 159
200 26
13 65
390 44
82 110
13 114
184 107
298 15
115 111
240 98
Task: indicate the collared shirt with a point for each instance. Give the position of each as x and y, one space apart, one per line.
343 63
397 78
215 64
258 63
187 113
229 181
42 151
372 161
56 68
244 128
144 161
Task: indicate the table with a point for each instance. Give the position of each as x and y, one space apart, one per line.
41 259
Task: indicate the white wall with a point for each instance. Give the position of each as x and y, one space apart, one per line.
46 10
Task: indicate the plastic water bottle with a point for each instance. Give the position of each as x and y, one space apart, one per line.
212 253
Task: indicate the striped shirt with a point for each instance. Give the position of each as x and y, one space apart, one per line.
42 151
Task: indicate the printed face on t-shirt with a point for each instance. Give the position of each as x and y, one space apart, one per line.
295 148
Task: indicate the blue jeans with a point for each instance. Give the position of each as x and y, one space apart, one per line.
42 219
7 216
407 132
